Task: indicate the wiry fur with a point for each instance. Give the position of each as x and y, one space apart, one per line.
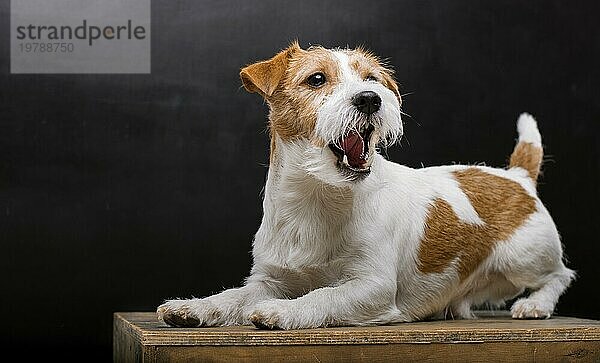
396 245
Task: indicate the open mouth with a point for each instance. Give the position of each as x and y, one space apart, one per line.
352 150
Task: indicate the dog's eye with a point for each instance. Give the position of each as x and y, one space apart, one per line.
371 78
316 80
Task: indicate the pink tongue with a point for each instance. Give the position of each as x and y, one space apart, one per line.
353 146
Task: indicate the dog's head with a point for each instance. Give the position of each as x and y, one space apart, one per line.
333 107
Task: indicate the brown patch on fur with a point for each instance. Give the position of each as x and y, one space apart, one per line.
529 157
264 77
281 80
364 63
501 203
294 104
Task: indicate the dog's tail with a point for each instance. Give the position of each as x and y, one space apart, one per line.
528 152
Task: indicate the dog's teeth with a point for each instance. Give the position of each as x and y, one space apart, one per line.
345 160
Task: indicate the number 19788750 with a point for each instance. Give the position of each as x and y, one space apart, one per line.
35 47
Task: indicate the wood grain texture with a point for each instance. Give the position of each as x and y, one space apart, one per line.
469 352
488 329
494 337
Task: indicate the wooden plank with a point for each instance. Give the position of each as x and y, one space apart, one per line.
467 352
150 332
127 345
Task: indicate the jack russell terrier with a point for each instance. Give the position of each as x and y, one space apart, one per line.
350 238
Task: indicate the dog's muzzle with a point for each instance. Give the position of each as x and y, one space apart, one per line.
352 148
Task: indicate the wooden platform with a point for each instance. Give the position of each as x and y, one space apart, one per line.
140 337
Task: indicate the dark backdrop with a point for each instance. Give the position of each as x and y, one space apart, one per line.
118 191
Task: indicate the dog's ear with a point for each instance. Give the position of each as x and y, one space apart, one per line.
264 77
390 83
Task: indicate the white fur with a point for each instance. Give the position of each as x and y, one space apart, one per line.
335 251
528 130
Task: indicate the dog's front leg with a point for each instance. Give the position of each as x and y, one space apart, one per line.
355 302
226 308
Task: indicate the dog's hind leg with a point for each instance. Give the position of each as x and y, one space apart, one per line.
541 302
461 310
487 290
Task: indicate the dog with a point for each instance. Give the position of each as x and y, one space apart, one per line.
349 238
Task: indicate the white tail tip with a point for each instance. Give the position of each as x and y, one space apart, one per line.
528 130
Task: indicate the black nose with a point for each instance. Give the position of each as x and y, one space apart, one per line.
367 102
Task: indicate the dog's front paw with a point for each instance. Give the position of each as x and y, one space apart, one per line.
275 314
528 308
188 313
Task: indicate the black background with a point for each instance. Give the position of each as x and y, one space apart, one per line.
118 191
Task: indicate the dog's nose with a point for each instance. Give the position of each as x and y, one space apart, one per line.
367 102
